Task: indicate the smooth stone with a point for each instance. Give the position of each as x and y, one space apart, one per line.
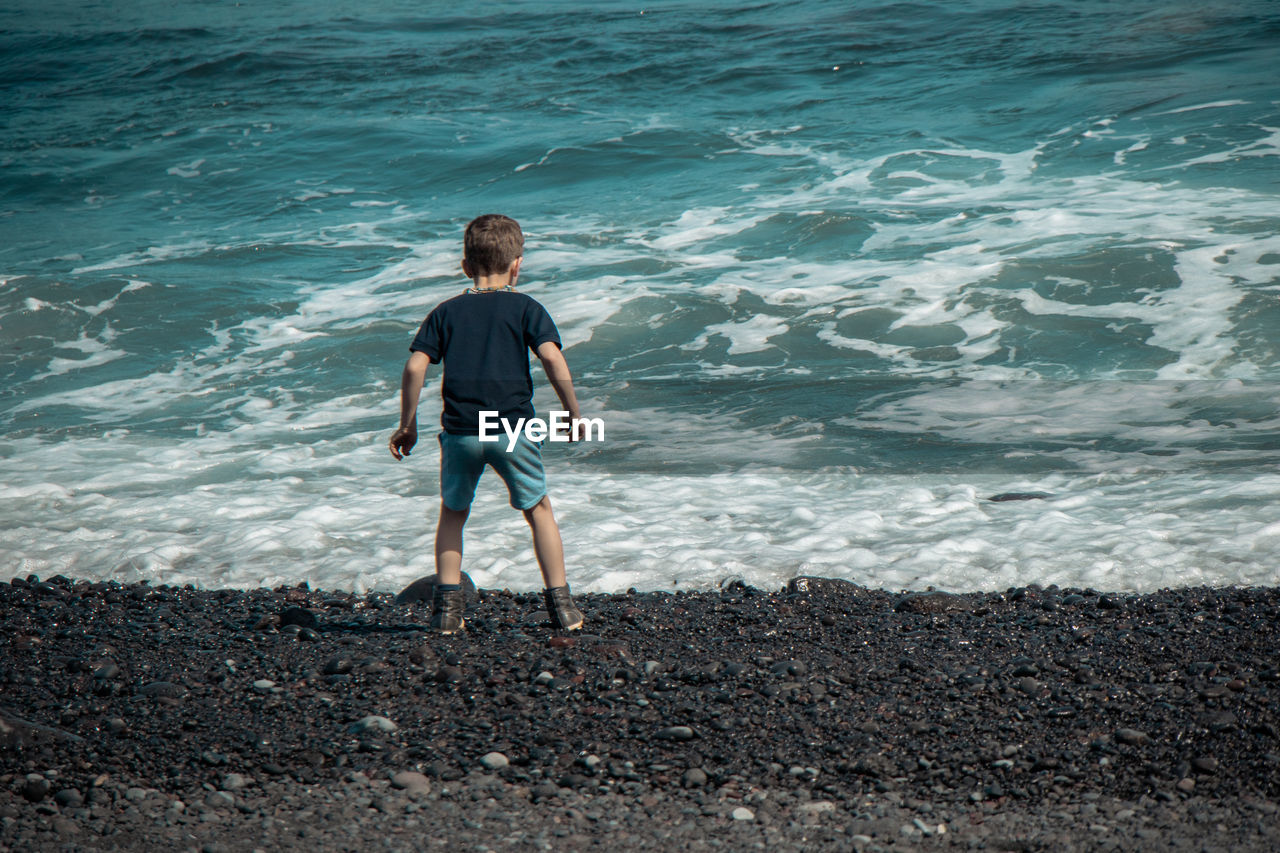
809 583
449 675
424 589
931 602
1207 765
544 790
680 733
263 685
69 798
789 668
742 813
300 616
1223 721
411 781
1133 737
817 807
422 655
36 788
337 666
65 828
372 723
537 617
1187 785
162 689
1023 666
233 782
694 777
220 800
1029 685
494 761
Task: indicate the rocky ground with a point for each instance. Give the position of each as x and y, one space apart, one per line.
821 716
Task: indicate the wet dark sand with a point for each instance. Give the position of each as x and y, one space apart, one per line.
821 716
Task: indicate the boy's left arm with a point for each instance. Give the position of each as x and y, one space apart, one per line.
560 378
411 382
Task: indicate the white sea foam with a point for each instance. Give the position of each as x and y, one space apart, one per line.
187 170
750 335
1035 219
149 255
182 517
1154 416
97 351
1268 146
1209 106
107 304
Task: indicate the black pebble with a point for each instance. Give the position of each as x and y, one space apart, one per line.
299 616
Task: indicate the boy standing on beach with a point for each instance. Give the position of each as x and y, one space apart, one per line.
483 338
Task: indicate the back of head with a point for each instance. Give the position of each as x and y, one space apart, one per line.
491 243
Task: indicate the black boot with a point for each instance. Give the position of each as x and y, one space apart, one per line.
560 608
446 610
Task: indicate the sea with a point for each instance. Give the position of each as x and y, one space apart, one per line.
833 274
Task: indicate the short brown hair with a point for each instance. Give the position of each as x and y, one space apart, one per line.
491 243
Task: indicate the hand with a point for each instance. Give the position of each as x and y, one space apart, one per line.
402 441
575 435
563 429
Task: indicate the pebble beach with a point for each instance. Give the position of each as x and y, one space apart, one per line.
822 715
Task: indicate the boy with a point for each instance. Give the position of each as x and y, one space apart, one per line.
483 337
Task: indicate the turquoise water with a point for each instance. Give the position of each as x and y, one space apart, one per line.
832 274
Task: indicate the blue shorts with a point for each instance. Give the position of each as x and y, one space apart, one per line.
462 461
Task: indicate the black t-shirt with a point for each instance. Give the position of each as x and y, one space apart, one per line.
484 341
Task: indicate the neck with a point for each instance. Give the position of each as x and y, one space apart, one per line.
492 282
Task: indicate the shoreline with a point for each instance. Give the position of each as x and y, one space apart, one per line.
824 715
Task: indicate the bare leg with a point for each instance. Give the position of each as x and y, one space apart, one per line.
547 546
449 544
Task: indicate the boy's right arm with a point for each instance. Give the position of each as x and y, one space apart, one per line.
411 381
